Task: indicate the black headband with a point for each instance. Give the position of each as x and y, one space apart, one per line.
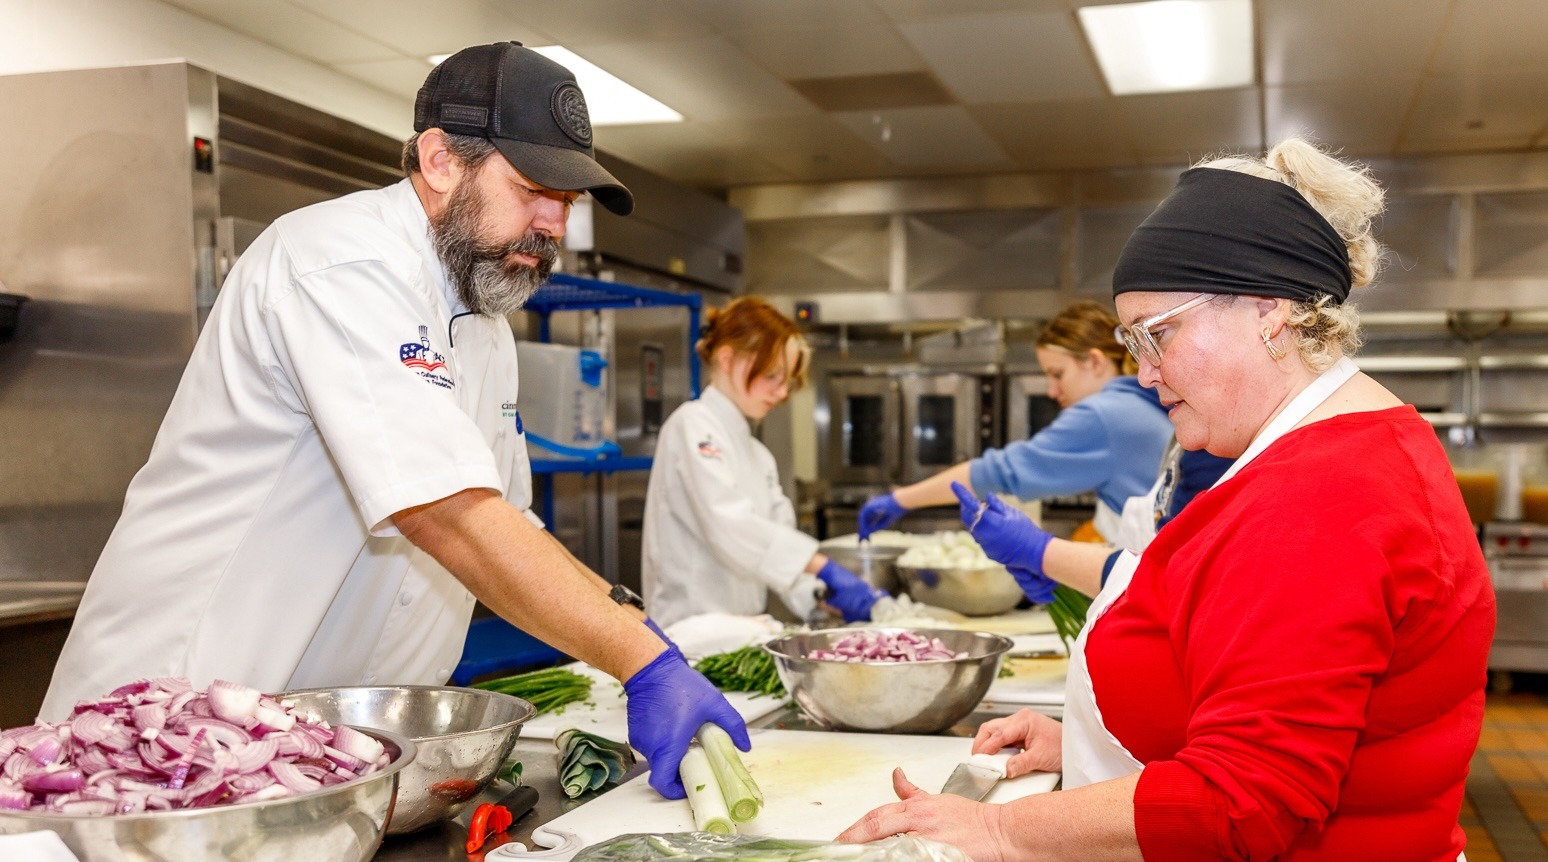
1223 231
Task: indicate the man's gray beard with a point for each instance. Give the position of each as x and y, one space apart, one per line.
485 278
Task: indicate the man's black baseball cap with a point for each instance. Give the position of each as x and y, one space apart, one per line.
530 108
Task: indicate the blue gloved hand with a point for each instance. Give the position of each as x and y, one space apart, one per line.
651 624
668 703
879 513
1010 538
848 592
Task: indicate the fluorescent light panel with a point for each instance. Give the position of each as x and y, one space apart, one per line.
1167 46
610 100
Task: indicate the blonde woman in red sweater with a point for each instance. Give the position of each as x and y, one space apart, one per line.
1295 668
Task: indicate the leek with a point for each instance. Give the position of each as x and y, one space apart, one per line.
743 798
704 796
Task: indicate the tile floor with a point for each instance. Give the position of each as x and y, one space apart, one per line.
1506 810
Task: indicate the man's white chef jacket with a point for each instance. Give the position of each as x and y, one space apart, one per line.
719 530
338 381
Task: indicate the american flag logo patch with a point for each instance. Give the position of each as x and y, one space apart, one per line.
707 448
418 355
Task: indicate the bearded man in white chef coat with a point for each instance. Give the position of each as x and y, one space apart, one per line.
342 471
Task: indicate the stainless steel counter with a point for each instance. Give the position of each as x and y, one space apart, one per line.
540 771
38 601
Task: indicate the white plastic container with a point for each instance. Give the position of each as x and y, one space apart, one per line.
563 398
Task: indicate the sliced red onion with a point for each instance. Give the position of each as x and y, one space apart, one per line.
356 744
232 701
159 745
255 755
60 781
292 778
14 798
46 750
150 716
219 731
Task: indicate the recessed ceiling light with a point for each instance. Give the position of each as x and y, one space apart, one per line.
610 100
1166 46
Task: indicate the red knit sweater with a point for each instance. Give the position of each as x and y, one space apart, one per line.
1300 659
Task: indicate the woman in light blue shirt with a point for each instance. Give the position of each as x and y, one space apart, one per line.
1108 438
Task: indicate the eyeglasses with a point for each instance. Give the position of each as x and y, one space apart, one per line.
1141 342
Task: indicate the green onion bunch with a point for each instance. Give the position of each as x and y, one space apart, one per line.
747 669
548 690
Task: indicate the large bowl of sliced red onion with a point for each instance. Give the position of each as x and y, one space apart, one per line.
888 680
160 770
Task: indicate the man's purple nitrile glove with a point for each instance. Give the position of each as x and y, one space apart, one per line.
668 702
1010 538
651 624
848 592
879 513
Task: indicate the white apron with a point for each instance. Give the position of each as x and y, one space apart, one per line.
1108 523
1091 752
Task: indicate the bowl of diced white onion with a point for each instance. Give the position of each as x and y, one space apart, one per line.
953 572
888 680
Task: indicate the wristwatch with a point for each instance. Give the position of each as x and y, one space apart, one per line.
625 596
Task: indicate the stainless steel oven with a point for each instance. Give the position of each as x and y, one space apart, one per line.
947 418
863 429
1028 409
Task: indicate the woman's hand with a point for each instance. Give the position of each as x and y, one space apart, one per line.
972 826
1040 738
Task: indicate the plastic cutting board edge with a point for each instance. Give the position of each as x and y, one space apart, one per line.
815 785
607 717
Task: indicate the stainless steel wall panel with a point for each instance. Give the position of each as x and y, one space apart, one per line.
1418 231
100 233
1101 233
835 254
1512 235
1016 249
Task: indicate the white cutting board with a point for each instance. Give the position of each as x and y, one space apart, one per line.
1034 682
1030 621
606 715
815 785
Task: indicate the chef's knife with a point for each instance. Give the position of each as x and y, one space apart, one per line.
974 778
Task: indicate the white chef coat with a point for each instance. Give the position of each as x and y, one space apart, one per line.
719 530
338 381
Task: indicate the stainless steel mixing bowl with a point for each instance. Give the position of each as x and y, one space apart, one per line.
342 822
873 563
976 592
888 697
463 736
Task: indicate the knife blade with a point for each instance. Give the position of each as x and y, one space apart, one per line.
973 780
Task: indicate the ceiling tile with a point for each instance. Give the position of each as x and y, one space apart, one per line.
1043 136
936 137
920 10
403 77
291 28
1477 112
1494 36
1310 41
810 146
1021 57
732 17
418 30
1178 128
594 22
1361 121
700 154
830 52
703 79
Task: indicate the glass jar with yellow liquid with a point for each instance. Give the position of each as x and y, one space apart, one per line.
1478 477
